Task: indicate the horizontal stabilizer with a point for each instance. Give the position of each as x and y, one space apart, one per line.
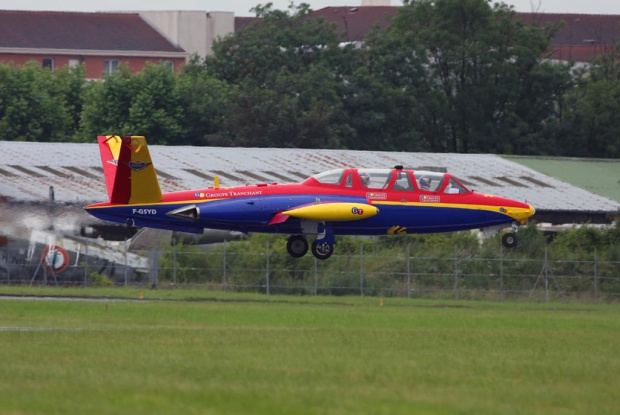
336 211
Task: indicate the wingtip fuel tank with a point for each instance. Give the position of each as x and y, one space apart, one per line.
334 211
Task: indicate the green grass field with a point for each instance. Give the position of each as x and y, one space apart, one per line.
240 354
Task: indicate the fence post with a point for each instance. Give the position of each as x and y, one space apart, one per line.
546 277
44 266
155 268
361 268
501 272
174 261
408 270
224 282
267 268
595 274
456 273
85 265
316 276
126 261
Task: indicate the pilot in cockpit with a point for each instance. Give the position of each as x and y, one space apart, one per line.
453 187
365 178
425 183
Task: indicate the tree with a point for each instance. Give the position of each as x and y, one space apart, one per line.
281 40
70 84
207 103
288 68
297 112
590 125
106 106
474 78
156 109
376 115
147 103
37 104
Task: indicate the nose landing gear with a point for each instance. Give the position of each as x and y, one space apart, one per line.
509 240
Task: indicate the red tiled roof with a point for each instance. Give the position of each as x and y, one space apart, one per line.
579 29
353 23
241 22
578 53
80 31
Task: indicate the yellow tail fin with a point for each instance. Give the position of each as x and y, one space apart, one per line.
129 173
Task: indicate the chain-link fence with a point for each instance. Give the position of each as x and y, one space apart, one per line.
405 274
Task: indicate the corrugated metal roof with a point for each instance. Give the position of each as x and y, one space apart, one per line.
185 165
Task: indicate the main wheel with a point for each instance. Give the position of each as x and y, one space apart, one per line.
297 246
322 250
509 240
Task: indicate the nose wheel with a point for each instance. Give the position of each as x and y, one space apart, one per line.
297 246
509 240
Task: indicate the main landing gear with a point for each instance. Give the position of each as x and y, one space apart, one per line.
297 246
322 250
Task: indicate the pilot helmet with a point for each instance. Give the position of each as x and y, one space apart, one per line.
425 183
365 178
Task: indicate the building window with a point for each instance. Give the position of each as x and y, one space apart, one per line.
48 63
110 66
73 63
167 64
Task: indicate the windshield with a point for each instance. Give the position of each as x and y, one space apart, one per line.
455 187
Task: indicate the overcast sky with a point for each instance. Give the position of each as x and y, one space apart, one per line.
242 7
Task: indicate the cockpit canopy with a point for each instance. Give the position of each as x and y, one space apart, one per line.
391 179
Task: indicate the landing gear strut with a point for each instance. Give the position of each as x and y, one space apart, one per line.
297 246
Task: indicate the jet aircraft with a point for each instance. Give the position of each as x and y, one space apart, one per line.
350 201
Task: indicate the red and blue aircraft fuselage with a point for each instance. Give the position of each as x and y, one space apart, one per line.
348 201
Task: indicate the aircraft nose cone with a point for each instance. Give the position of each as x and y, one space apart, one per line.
520 214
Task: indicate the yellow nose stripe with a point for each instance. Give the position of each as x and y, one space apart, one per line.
520 214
